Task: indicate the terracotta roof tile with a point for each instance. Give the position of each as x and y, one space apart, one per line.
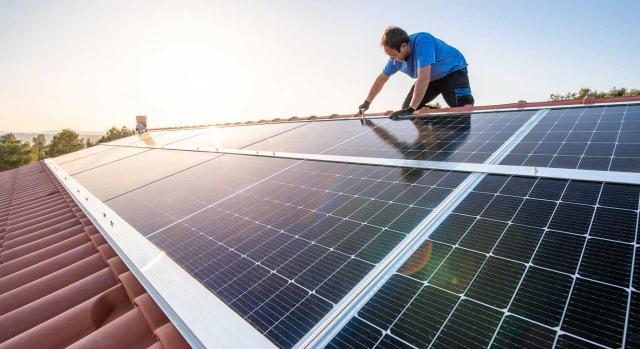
61 284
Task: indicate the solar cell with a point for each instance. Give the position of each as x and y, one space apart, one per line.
491 275
468 317
597 312
592 138
495 283
516 332
424 316
357 334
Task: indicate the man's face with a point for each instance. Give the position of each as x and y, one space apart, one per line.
396 55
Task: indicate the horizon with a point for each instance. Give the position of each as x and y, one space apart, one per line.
90 65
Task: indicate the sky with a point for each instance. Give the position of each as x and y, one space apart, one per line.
92 64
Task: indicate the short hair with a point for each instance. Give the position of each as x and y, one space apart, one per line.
394 37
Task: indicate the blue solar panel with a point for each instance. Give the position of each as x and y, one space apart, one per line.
283 241
595 138
517 256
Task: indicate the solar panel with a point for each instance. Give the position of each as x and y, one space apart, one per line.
520 262
158 138
105 156
136 170
314 137
156 205
235 136
460 138
594 138
287 246
81 153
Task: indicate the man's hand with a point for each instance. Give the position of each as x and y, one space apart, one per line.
402 112
363 107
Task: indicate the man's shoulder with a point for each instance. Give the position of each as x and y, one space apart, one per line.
421 35
422 40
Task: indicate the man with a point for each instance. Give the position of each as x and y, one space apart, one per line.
437 67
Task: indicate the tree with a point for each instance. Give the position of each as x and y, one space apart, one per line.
65 141
39 147
13 152
89 143
585 91
116 133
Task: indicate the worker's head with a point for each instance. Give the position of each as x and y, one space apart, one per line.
395 43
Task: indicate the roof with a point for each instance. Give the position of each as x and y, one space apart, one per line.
61 284
340 232
521 104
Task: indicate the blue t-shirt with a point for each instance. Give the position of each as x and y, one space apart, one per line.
427 49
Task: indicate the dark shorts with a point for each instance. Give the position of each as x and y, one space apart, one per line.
454 88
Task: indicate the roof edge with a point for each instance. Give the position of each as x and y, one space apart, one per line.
521 104
524 104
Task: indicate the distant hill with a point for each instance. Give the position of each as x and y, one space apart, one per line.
27 136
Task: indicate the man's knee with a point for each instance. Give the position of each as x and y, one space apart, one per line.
464 101
462 96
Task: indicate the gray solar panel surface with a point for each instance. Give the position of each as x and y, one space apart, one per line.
283 241
460 138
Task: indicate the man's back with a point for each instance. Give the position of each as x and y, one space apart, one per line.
427 49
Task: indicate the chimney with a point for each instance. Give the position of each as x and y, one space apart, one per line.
141 124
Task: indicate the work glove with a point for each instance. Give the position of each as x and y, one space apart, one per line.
364 107
402 112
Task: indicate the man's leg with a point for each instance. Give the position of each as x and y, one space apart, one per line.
432 92
456 90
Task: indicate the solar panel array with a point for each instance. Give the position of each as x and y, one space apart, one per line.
519 262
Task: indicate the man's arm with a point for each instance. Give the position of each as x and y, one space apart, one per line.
424 76
373 92
419 89
377 87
